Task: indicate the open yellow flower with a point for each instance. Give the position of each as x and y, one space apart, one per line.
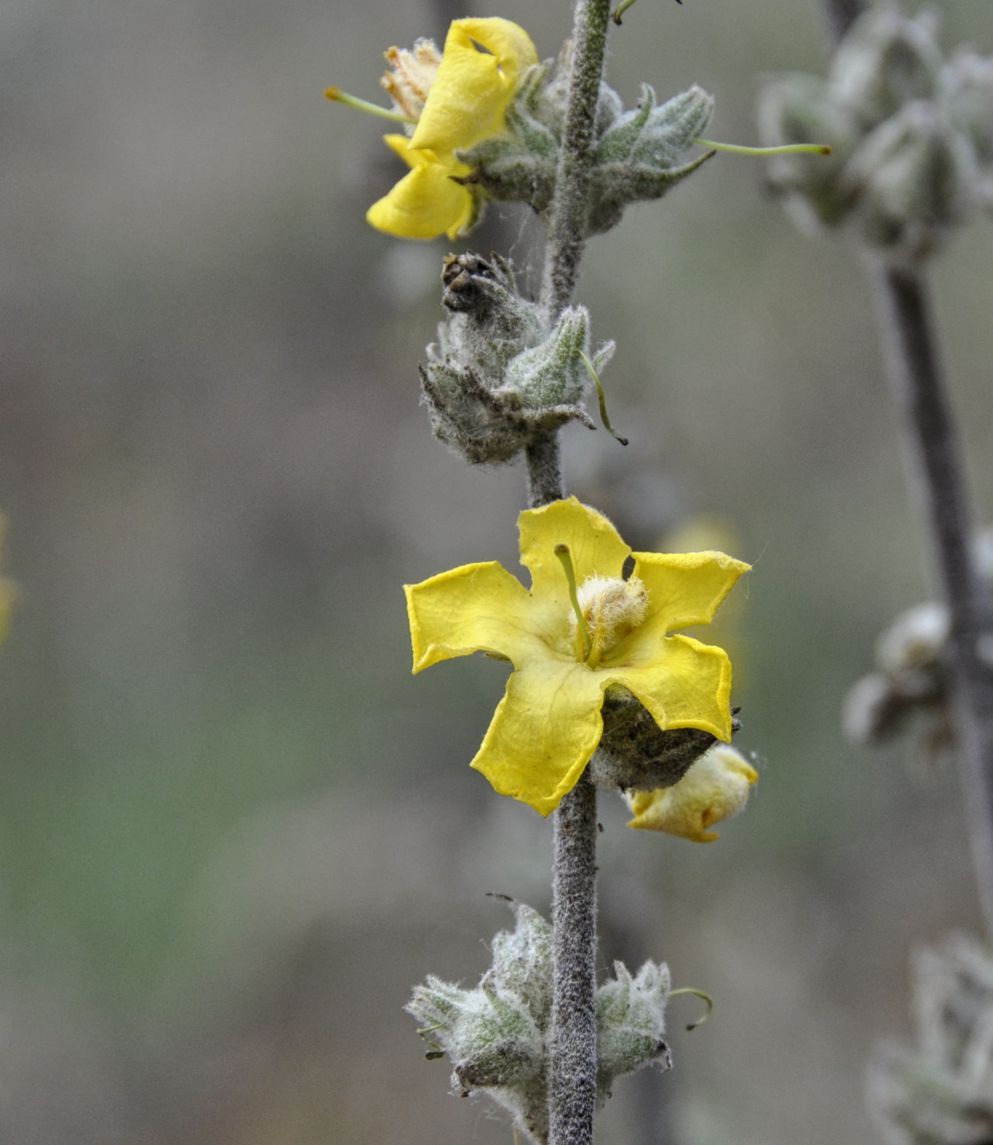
428 201
549 722
464 103
715 788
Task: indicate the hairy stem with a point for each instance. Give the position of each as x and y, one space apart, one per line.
572 1064
570 206
935 454
544 470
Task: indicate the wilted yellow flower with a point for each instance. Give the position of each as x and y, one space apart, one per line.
715 788
549 722
462 103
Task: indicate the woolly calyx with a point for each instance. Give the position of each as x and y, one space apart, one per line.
910 685
940 1092
913 179
635 754
496 1036
497 375
639 154
886 61
519 165
631 1023
911 137
642 154
967 91
910 688
796 107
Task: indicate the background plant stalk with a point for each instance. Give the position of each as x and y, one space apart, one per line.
934 452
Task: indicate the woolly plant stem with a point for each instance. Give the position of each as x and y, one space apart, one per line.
570 206
934 449
572 1049
568 213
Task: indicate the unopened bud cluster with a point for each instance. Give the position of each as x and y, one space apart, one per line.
498 375
940 1092
637 155
497 1035
911 135
911 686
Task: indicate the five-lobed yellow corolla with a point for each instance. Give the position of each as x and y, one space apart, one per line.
549 722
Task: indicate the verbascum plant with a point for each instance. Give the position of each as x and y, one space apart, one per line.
605 689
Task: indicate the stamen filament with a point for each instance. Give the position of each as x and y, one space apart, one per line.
703 996
602 399
336 95
582 632
783 149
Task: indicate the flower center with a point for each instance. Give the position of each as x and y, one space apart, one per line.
611 608
411 73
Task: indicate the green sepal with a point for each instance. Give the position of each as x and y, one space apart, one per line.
643 154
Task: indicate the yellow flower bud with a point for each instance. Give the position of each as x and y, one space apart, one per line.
715 788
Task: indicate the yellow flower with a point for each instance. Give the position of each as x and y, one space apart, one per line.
464 103
8 591
548 723
426 202
714 789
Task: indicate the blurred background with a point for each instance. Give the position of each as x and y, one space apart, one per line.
234 831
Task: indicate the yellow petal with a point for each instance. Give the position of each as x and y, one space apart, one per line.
543 733
595 548
685 588
473 87
685 684
715 788
8 596
474 608
426 202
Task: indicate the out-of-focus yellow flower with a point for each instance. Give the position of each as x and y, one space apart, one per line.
715 788
461 104
704 531
8 591
549 722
